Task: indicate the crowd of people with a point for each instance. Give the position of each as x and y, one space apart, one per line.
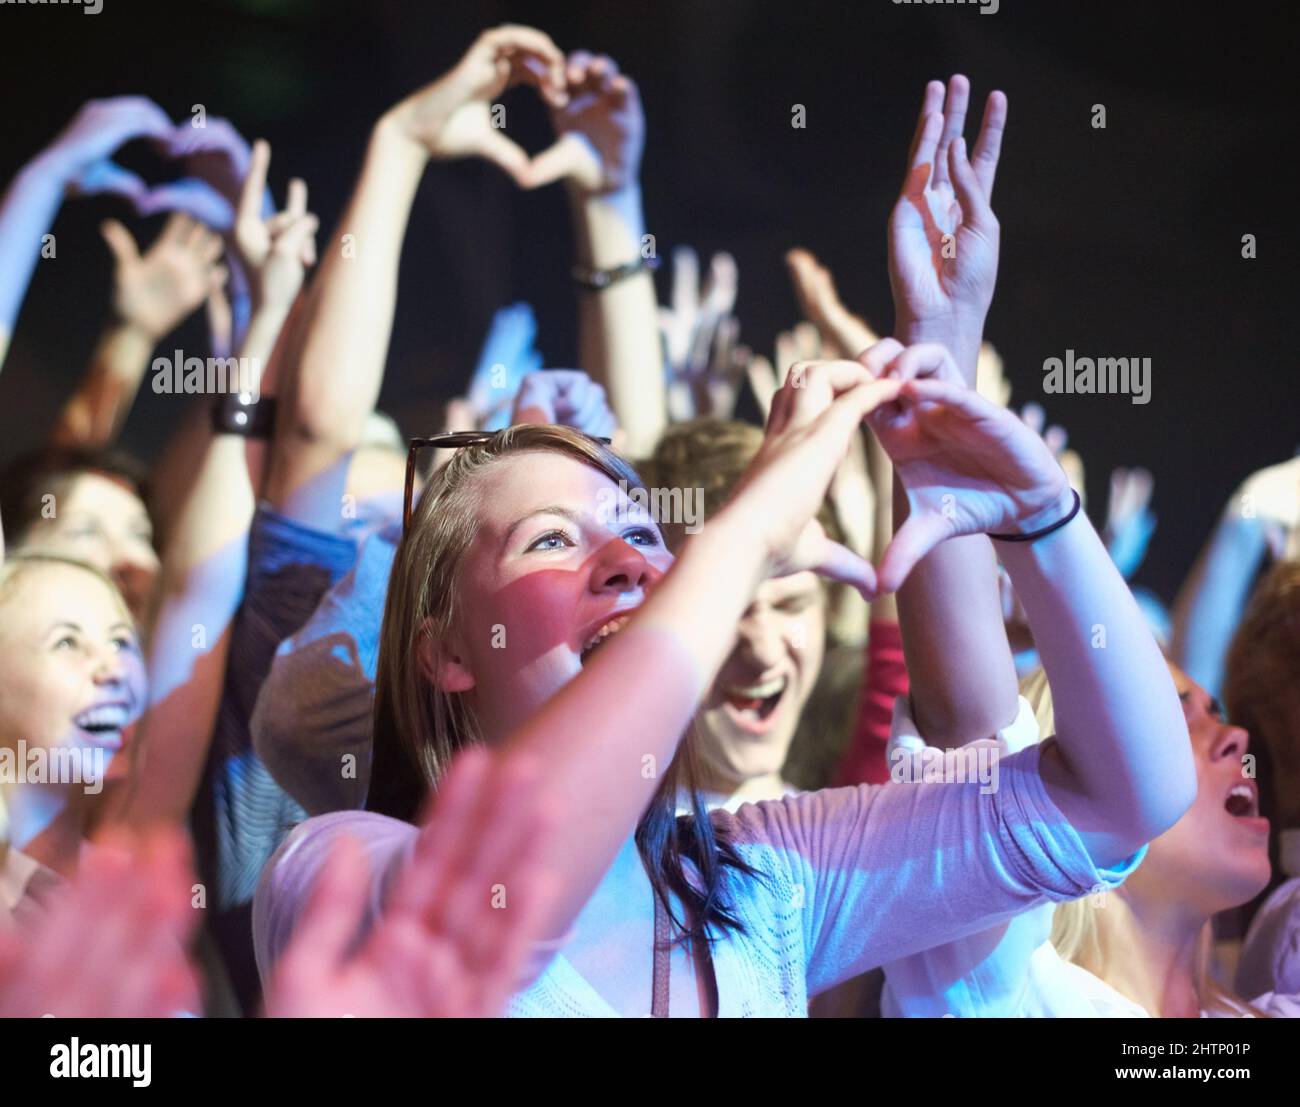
601 700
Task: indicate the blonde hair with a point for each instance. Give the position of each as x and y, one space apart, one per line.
1076 924
417 728
16 565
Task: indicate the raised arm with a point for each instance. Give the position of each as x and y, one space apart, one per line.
602 137
1262 515
77 162
206 557
152 294
349 315
943 255
1120 769
641 690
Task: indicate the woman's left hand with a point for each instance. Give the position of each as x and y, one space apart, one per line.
968 466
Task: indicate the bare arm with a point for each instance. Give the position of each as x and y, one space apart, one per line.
349 316
949 608
599 154
1262 512
640 692
77 162
205 561
1121 769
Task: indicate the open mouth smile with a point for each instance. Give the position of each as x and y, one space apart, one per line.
752 707
603 634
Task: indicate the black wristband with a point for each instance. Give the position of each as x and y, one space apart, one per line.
232 414
599 279
1036 534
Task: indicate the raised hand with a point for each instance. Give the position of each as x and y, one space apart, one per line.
507 356
462 918
1130 523
991 379
967 465
699 334
814 417
82 154
452 118
155 291
1272 498
275 251
801 343
943 235
113 942
853 492
565 396
601 129
217 155
842 332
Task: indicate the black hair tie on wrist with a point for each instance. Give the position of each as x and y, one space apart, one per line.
1033 535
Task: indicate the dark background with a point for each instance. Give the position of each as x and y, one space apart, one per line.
1119 242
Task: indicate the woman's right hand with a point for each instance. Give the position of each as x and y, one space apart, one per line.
813 418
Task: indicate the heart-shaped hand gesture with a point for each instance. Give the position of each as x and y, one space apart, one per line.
968 466
82 154
814 416
601 129
82 157
452 118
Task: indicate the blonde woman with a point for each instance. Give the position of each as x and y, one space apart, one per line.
72 684
1142 950
534 606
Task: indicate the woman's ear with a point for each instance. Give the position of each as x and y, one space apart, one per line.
441 666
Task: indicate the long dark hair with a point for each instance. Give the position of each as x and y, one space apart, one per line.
417 728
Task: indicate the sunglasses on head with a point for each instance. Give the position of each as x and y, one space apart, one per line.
453 440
